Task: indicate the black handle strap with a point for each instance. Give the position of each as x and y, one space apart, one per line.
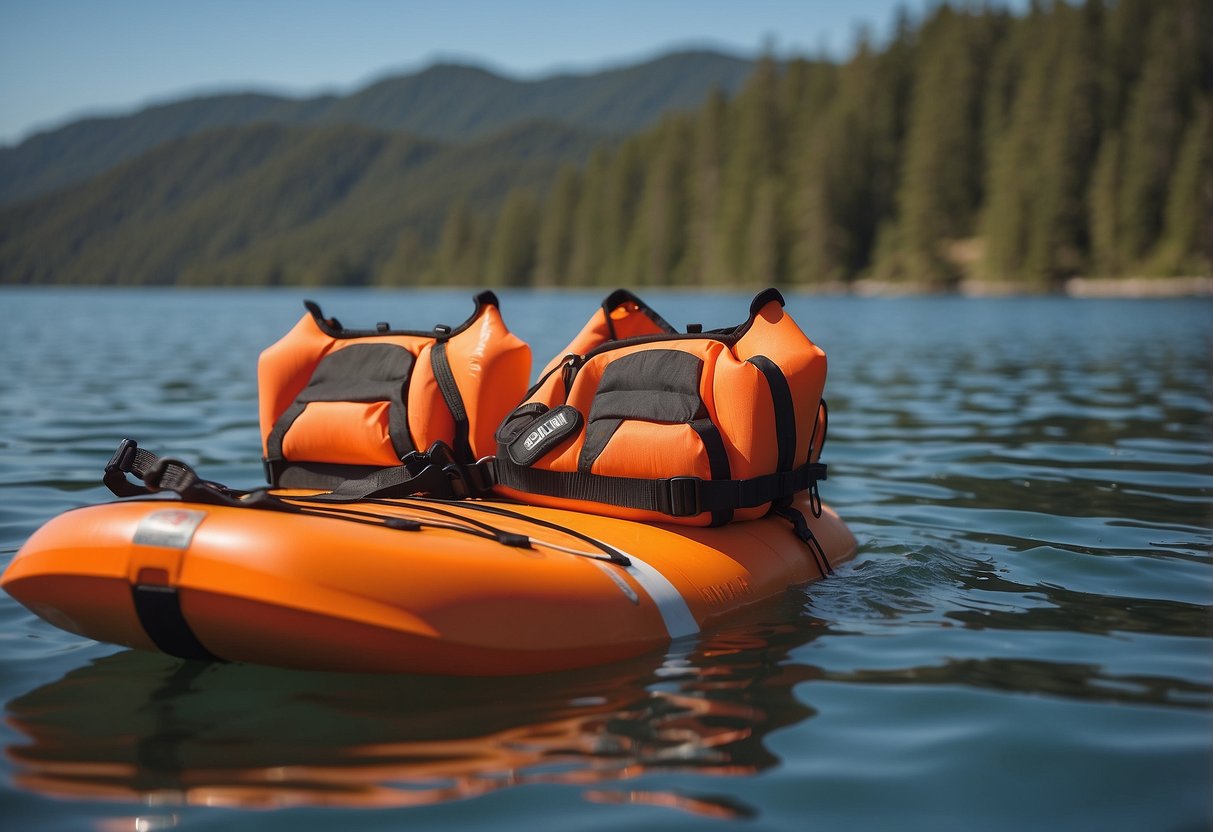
435 472
164 474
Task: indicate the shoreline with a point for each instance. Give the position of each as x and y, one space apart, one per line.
1075 287
1139 287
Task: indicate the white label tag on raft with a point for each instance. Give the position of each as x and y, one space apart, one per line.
171 528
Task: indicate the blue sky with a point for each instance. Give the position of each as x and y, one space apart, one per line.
60 59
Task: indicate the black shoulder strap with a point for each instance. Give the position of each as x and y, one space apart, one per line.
441 365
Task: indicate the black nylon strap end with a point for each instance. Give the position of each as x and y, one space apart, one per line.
118 467
803 531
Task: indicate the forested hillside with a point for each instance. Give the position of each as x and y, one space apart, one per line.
446 102
1076 139
264 204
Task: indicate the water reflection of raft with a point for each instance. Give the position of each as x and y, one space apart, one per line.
170 734
414 585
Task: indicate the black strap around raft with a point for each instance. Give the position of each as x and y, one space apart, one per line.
674 496
437 474
159 611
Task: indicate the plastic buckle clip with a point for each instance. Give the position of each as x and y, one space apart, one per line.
117 468
121 461
414 462
680 497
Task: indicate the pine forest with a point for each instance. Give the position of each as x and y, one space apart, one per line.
973 145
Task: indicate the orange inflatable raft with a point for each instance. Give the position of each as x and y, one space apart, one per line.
413 585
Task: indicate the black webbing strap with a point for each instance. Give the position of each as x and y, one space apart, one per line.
718 461
785 411
823 417
164 474
801 526
434 472
160 615
675 496
441 366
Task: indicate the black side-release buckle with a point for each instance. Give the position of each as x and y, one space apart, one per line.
415 462
679 497
118 467
441 475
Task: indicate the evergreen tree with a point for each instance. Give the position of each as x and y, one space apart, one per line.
617 212
1035 226
751 169
585 259
657 239
1152 132
703 260
1123 51
942 175
1187 243
555 247
818 249
511 257
862 138
812 251
1103 209
408 262
458 259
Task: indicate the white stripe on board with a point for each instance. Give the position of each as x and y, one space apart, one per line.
673 607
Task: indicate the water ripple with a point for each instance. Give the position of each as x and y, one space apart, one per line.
1031 481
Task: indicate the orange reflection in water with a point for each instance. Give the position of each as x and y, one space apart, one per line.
146 729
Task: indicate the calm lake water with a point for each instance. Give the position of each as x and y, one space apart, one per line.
1023 641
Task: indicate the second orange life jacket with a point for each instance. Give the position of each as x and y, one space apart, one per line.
639 421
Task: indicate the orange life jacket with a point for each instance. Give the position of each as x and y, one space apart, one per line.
339 403
639 421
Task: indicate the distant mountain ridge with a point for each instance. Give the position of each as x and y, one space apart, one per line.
975 146
260 203
445 102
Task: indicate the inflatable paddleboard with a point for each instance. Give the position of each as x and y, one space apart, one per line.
472 587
